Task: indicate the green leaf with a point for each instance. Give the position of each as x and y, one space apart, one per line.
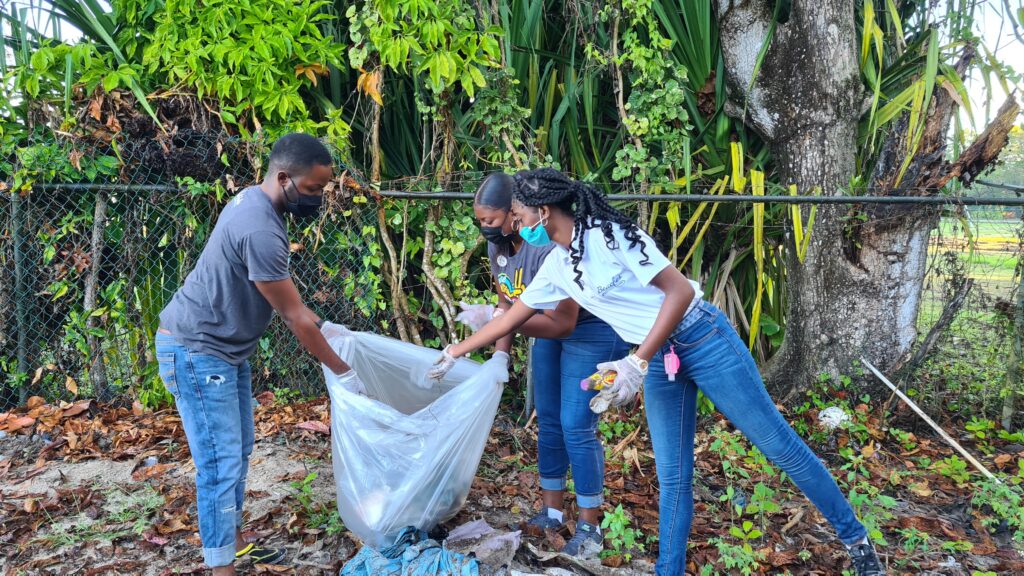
110 81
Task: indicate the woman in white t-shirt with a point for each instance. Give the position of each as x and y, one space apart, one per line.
604 262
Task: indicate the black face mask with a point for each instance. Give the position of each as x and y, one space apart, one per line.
494 235
303 206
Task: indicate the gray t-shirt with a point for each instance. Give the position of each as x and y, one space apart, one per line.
514 272
218 309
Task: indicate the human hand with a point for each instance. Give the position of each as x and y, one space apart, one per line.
330 331
444 363
630 373
501 360
350 381
475 315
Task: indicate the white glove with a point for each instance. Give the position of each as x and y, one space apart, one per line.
330 331
502 356
629 376
444 363
350 381
500 359
475 315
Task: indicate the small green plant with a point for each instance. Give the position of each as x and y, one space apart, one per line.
1000 502
1017 436
856 464
982 430
914 540
957 546
907 440
619 535
953 468
319 515
874 508
747 533
613 430
730 448
741 557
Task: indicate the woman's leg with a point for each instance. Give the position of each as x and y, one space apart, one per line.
714 357
592 343
552 458
671 416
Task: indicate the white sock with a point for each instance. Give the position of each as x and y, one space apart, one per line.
554 514
863 540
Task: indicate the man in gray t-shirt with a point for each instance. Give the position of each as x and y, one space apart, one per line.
212 325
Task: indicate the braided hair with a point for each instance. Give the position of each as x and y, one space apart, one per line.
589 208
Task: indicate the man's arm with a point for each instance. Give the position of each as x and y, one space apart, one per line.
284 298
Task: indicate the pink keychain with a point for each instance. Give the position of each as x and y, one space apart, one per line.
671 364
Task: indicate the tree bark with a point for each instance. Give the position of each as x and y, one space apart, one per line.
858 291
805 103
98 367
22 290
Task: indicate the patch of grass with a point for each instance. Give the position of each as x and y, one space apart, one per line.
127 514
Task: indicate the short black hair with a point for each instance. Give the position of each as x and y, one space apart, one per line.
495 192
296 153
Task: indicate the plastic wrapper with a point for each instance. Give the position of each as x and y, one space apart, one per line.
405 455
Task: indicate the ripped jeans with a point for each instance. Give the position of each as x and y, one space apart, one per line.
214 399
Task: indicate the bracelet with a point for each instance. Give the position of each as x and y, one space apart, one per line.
320 323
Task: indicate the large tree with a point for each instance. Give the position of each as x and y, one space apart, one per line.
857 293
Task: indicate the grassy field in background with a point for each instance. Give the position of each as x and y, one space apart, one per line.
990 258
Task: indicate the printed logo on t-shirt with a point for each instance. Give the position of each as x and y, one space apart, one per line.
511 288
616 280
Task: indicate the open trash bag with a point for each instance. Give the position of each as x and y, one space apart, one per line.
405 455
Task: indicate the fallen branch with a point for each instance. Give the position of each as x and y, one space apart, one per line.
930 422
944 321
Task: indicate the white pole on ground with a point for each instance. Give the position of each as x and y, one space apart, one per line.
931 422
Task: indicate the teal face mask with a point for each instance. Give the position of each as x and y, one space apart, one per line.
535 235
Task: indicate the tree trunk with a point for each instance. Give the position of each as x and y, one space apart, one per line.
805 102
22 290
858 290
98 367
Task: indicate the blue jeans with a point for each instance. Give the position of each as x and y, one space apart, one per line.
715 360
214 399
567 429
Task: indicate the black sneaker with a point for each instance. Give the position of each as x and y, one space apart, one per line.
865 560
543 521
587 542
261 555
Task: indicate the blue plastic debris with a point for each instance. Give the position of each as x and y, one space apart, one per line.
412 554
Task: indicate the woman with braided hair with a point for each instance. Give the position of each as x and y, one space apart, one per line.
604 262
569 342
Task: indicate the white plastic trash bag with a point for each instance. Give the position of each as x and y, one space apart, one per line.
406 455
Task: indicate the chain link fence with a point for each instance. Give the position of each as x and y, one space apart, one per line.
87 266
95 244
973 281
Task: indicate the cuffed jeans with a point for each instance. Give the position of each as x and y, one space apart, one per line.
567 428
714 360
214 399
